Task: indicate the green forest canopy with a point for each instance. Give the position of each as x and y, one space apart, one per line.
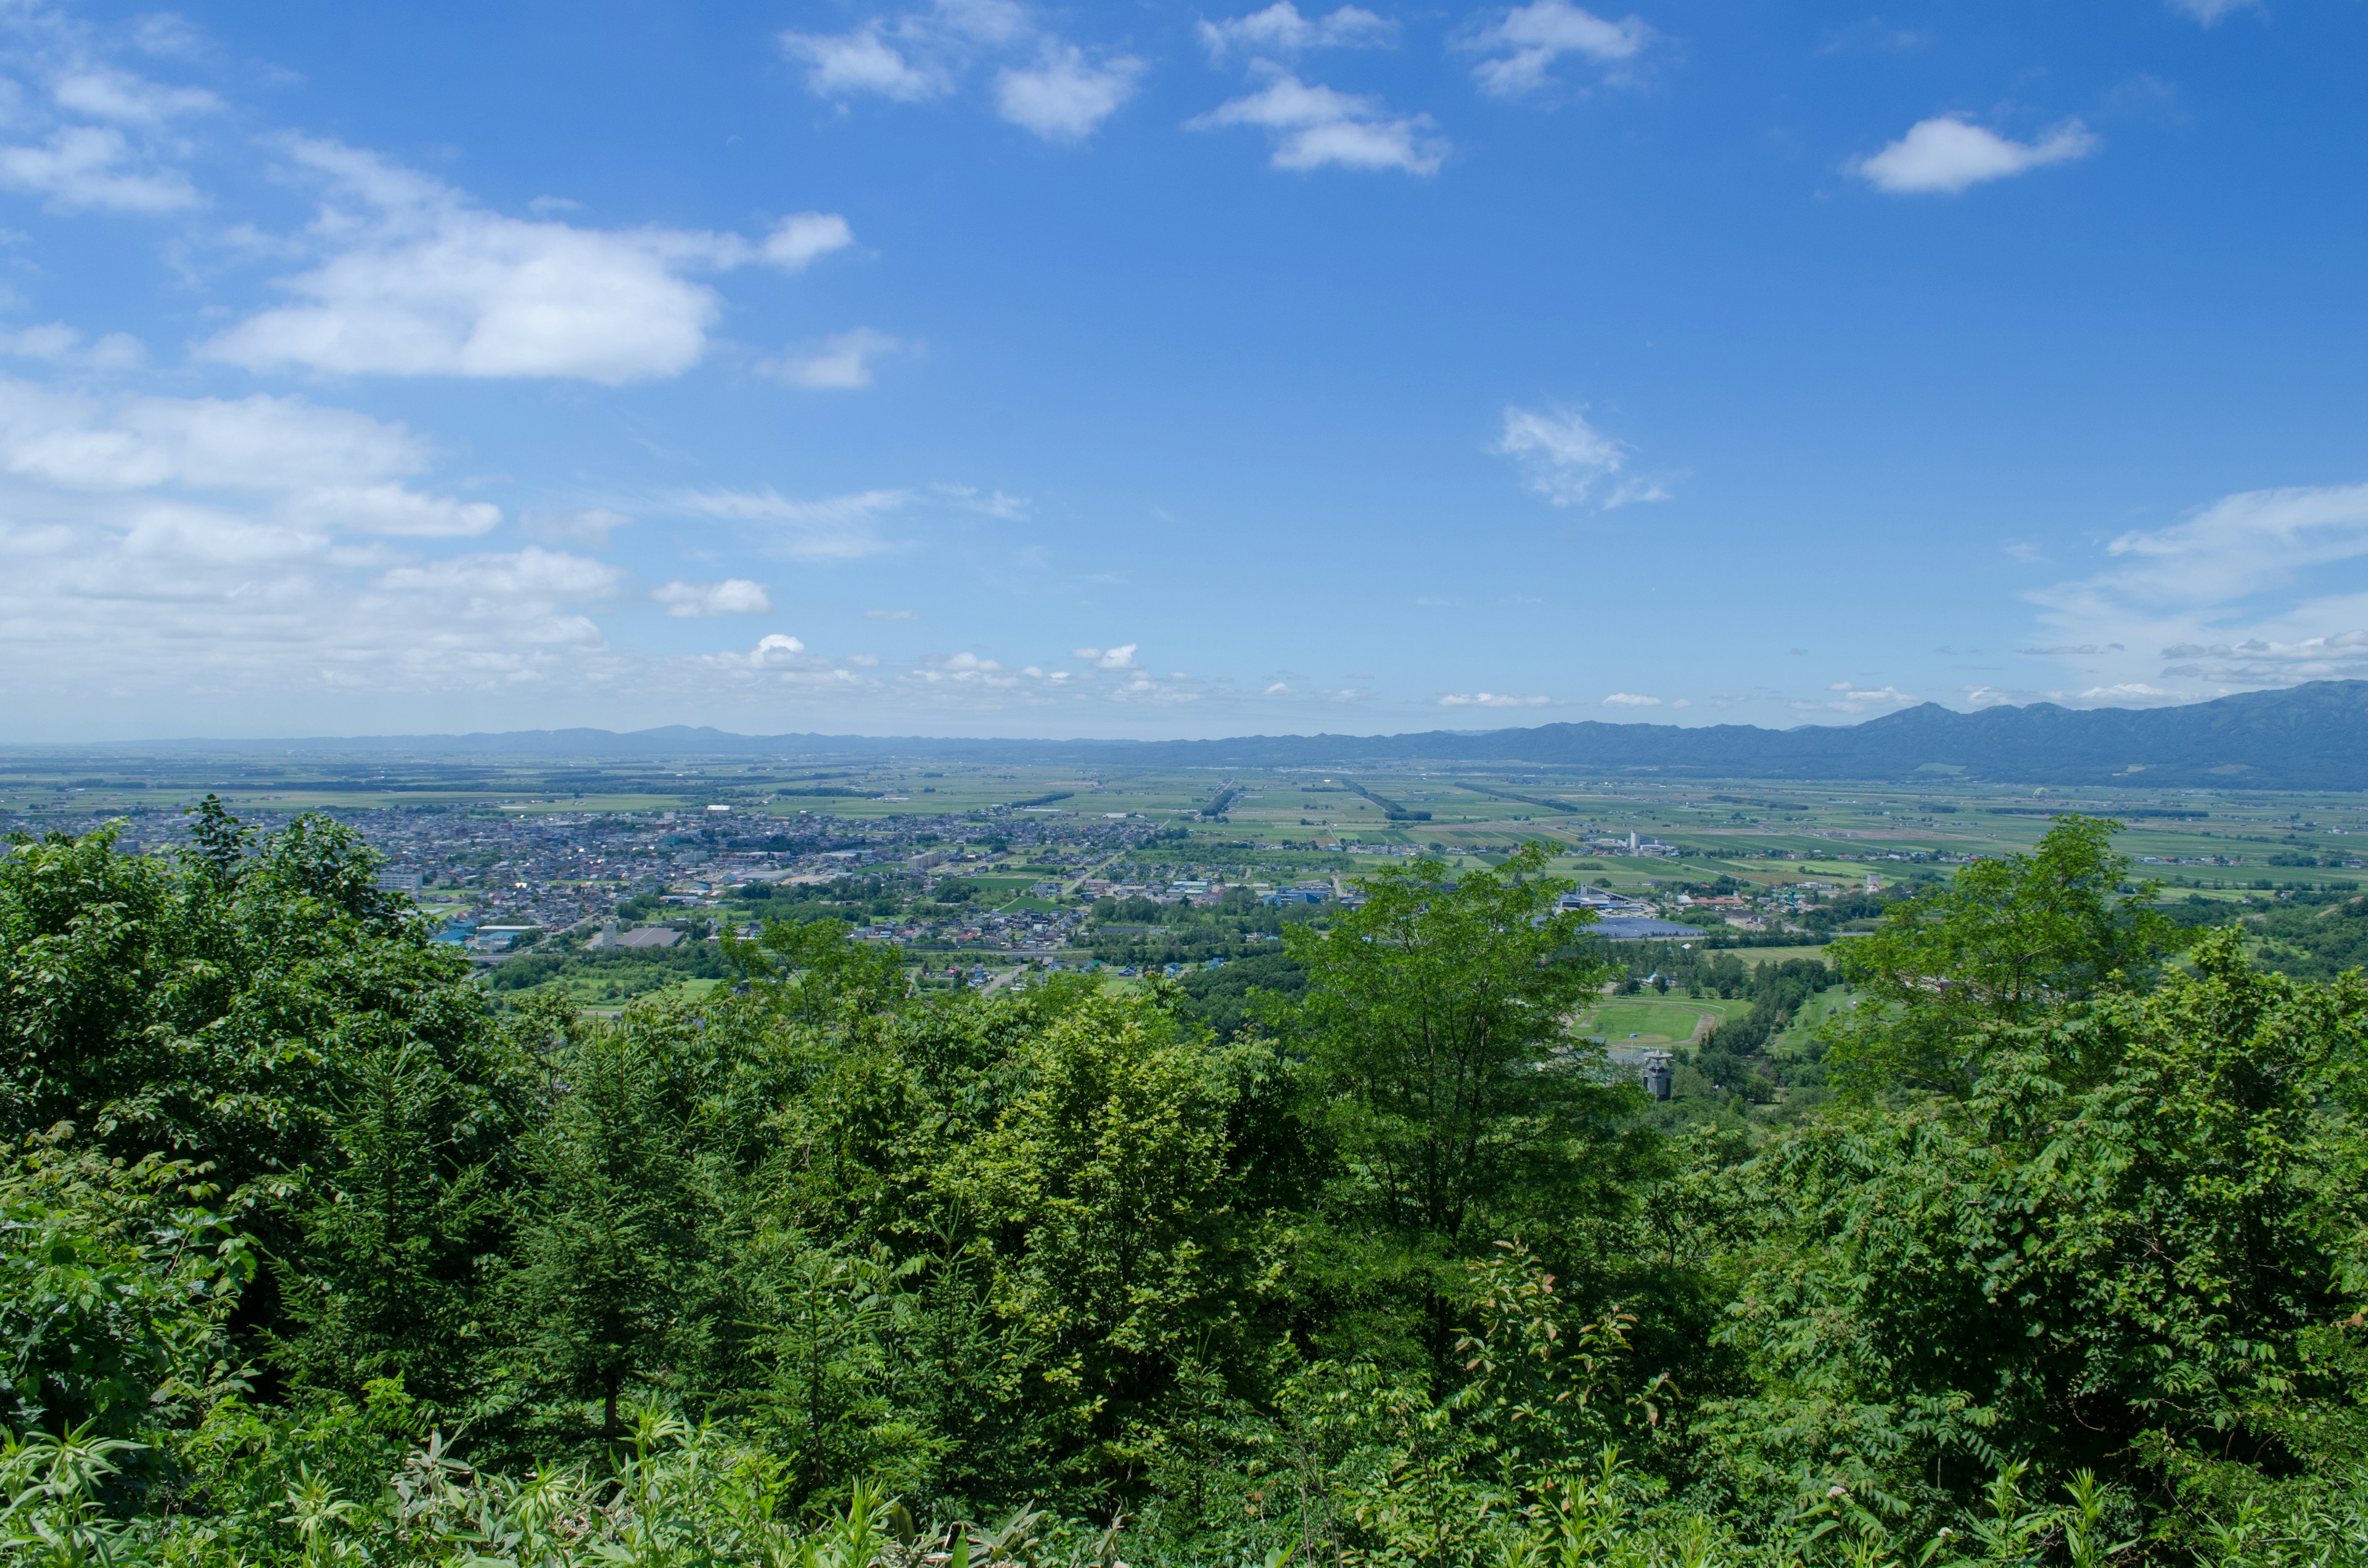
311 1256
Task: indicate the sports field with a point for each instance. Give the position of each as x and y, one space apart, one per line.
1655 1021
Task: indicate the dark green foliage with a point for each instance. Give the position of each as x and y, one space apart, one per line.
1225 998
1350 1252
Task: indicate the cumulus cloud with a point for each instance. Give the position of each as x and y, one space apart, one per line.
322 468
1567 460
1119 658
1044 84
1523 44
1316 126
158 600
845 64
1948 154
733 596
416 279
1063 97
892 614
774 651
1630 699
837 527
1279 29
798 239
1492 700
841 363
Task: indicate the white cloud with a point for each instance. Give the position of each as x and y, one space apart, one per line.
592 526
837 527
1493 699
1045 84
1948 154
843 362
801 237
1279 29
105 94
418 281
84 168
2245 543
2225 596
993 504
2210 12
1524 42
62 344
1630 699
733 596
1063 97
1315 126
391 509
1849 698
170 35
892 614
1279 688
1565 459
843 64
774 651
325 467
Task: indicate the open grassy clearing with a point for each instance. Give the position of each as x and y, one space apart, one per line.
1643 1020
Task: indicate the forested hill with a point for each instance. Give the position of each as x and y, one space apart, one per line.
2312 736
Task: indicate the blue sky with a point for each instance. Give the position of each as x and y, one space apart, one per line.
997 368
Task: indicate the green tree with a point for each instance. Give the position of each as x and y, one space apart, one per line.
814 970
608 1243
406 1203
1442 1070
2004 941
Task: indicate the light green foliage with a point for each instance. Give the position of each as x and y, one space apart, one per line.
811 969
1108 1201
116 1288
1457 1097
2007 941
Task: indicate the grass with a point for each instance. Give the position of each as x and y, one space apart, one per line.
1653 1020
1752 957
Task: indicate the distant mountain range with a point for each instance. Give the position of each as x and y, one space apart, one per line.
2306 737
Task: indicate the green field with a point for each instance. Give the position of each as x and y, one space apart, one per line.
1646 1020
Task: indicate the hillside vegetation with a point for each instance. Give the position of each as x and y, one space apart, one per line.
311 1256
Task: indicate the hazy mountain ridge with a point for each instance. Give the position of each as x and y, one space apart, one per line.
2310 736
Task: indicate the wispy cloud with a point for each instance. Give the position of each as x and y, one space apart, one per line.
834 528
2211 12
840 363
1282 30
1492 700
1317 127
1568 461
